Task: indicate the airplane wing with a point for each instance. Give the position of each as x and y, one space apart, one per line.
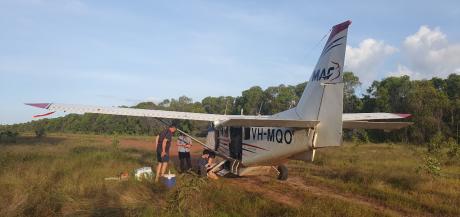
367 121
350 120
225 120
375 125
372 116
81 109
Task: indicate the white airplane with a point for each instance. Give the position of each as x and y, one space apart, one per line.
253 145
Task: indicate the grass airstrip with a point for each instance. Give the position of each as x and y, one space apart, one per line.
64 175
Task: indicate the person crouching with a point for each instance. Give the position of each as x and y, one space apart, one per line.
206 163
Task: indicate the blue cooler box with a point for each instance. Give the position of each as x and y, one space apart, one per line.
169 180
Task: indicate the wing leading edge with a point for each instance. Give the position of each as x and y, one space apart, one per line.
81 109
224 120
368 121
372 116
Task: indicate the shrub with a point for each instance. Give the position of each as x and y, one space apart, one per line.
434 146
40 132
359 137
453 149
430 166
8 136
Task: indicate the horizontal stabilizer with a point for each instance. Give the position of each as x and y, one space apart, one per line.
270 123
372 116
375 125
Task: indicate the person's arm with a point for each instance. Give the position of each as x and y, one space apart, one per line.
209 164
189 142
163 147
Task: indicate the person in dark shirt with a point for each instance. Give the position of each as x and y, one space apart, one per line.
163 145
202 162
205 164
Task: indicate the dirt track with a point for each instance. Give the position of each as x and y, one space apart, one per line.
290 193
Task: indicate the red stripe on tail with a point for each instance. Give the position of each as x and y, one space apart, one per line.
42 115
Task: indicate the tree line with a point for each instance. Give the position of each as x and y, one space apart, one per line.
434 105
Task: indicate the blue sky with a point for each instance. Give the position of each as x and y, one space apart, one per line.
123 52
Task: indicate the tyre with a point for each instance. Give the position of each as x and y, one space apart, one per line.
283 172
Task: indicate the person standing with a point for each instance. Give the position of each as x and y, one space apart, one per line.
163 145
184 143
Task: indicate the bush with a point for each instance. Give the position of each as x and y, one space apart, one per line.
359 137
8 136
435 144
40 132
453 149
430 166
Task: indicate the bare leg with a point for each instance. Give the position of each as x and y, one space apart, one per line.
157 177
163 168
212 175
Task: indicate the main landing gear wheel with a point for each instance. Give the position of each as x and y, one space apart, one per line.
283 172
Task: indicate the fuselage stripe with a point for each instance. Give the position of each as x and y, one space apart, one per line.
255 146
248 150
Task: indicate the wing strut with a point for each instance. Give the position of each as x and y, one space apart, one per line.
198 141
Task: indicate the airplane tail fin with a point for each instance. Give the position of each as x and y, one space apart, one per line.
322 98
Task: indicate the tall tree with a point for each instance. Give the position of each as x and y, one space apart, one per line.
251 100
351 102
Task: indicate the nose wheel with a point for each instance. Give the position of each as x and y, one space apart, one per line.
282 172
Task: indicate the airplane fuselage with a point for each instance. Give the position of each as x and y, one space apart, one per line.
256 146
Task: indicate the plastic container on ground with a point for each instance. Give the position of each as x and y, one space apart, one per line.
143 173
169 180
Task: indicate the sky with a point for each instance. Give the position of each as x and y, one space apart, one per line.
114 53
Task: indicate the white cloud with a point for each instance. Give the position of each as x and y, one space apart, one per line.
366 59
403 70
429 54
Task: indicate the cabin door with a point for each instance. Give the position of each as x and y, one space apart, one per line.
236 143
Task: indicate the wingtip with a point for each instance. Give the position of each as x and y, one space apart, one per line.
403 115
39 105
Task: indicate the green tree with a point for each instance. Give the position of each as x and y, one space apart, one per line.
428 105
251 100
279 98
351 102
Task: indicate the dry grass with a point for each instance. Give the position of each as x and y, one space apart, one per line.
63 175
391 175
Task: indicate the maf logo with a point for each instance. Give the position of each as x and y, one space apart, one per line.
326 74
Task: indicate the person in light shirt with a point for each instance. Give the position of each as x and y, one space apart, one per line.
184 143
